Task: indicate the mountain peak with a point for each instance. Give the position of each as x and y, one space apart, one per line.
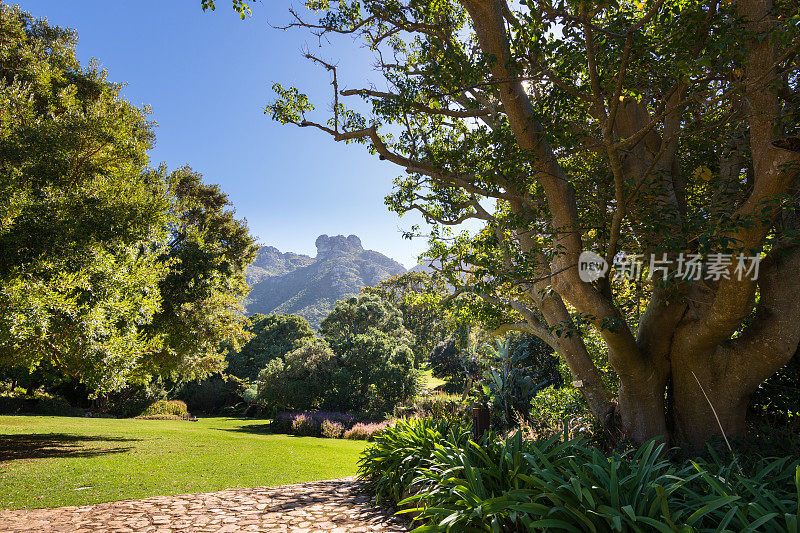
326 244
310 287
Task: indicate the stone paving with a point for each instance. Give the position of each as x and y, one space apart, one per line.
337 505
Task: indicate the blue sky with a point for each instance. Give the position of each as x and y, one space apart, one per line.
207 77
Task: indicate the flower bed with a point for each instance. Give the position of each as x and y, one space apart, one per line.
328 424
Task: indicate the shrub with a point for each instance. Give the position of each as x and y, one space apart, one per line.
390 464
303 425
557 410
365 430
56 406
438 406
215 394
332 430
515 370
283 421
250 394
131 400
10 405
40 404
166 407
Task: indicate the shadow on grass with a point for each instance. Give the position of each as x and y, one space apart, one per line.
255 429
266 429
50 445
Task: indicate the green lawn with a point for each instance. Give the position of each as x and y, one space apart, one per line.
55 461
428 380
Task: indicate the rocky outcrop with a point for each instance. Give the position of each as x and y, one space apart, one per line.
291 283
338 243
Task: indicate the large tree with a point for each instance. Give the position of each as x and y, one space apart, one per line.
111 272
644 126
202 293
273 336
81 217
417 295
374 354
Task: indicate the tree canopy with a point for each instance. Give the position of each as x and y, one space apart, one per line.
273 336
363 363
417 295
664 129
110 271
202 294
374 350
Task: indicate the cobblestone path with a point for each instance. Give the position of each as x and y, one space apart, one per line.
336 505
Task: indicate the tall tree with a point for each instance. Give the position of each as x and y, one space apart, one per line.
201 308
662 127
417 295
110 271
373 351
82 220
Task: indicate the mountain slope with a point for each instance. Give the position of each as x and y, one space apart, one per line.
288 283
271 262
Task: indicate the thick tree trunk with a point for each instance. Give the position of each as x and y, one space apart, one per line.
641 408
710 398
694 345
698 418
707 398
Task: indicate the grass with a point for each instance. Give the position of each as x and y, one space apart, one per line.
56 461
428 380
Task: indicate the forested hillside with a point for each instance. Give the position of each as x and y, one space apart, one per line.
289 283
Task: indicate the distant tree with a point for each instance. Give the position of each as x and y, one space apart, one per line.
303 379
446 359
538 357
202 293
417 295
373 353
361 315
273 336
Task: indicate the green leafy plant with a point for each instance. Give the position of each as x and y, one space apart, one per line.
557 485
391 463
512 378
111 272
555 410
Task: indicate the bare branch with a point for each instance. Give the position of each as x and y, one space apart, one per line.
417 106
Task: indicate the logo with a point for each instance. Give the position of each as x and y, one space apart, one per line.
591 266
